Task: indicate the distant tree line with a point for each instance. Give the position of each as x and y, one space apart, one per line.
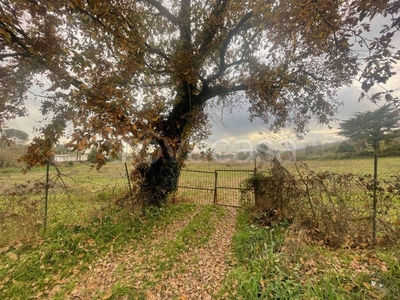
347 149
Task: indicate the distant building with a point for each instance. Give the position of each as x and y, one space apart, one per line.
70 157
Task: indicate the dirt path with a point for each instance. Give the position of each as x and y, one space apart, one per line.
197 273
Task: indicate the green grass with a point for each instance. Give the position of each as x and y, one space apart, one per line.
33 269
83 225
197 233
268 262
275 263
79 173
77 194
386 165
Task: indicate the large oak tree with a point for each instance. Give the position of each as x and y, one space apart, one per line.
143 71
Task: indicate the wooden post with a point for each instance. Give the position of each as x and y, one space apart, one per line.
375 200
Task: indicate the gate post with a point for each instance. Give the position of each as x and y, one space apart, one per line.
256 186
215 186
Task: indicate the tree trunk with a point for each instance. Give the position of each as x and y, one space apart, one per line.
160 180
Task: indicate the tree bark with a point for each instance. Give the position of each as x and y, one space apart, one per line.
160 180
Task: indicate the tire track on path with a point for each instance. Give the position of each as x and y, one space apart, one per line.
107 271
146 271
199 272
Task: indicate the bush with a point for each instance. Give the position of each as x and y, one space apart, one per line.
92 156
346 147
335 209
9 156
273 193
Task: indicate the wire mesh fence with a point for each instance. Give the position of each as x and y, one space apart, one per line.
197 186
76 195
222 186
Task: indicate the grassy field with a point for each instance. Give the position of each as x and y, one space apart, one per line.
277 262
199 180
77 194
386 165
79 173
281 262
268 262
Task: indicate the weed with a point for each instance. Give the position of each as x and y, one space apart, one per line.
34 269
281 262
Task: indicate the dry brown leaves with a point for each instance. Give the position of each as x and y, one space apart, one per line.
200 271
196 274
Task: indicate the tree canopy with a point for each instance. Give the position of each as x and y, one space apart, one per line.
143 71
15 135
373 127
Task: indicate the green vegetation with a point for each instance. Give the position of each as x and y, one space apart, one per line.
166 260
145 72
289 257
347 150
359 166
280 262
76 195
14 135
35 268
9 156
373 128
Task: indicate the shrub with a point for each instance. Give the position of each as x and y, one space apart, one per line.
273 193
9 156
335 209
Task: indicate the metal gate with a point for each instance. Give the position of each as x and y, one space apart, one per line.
221 187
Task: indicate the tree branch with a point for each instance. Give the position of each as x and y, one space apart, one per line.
184 16
164 11
148 46
209 93
210 29
154 70
228 39
215 76
157 51
6 55
61 73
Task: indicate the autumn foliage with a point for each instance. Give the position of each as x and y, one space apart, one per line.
332 209
143 71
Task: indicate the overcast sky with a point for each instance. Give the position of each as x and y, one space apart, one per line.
239 131
238 127
236 131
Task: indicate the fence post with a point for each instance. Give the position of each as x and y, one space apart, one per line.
46 197
215 186
256 187
129 181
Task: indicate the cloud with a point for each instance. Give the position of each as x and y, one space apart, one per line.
236 125
29 123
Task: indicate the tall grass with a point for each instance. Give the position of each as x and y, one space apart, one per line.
281 262
76 195
34 269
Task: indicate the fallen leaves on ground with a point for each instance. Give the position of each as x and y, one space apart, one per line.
195 273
